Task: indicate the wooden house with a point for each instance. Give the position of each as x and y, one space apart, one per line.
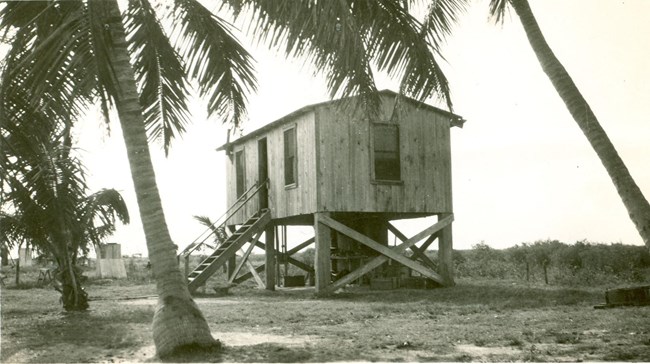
347 176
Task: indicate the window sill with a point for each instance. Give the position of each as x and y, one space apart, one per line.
291 186
386 182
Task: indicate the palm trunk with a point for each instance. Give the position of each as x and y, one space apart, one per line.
18 271
636 204
4 254
177 322
73 296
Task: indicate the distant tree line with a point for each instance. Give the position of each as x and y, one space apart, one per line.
555 262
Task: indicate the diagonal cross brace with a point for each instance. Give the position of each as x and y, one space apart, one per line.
254 270
244 258
418 252
387 253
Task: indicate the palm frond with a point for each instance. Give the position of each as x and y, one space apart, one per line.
326 34
498 10
160 73
344 39
214 58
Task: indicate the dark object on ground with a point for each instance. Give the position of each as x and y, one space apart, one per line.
221 291
632 296
294 281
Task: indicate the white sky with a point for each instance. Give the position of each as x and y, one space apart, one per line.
522 170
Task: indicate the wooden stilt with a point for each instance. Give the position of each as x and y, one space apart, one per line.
322 259
232 263
230 229
269 249
445 253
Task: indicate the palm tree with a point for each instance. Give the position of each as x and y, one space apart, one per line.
635 202
45 202
80 51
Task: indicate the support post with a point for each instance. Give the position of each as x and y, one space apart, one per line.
232 263
269 248
445 253
187 266
322 258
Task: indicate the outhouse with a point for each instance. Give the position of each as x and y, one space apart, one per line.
331 167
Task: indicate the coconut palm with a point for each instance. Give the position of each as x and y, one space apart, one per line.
635 202
45 203
80 51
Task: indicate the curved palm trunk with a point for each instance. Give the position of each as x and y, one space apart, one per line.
73 296
633 199
177 322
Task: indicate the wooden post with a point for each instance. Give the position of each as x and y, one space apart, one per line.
322 258
269 248
445 254
187 266
232 263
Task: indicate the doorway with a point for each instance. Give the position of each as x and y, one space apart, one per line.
263 172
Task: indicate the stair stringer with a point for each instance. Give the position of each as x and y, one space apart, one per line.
234 243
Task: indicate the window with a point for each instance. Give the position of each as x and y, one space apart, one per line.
386 152
290 152
240 173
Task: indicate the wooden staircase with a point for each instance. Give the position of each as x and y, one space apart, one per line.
227 249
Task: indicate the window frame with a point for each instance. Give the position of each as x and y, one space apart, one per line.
373 161
294 166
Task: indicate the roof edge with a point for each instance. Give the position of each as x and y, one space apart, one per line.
456 120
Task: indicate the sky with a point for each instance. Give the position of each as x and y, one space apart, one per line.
522 170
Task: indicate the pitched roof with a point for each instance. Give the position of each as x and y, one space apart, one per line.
456 120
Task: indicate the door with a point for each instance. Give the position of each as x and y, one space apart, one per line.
263 172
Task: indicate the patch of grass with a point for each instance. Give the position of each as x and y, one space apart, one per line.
480 341
567 337
514 340
503 322
619 354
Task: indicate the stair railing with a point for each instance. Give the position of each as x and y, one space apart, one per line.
232 210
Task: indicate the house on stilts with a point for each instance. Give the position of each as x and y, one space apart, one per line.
348 177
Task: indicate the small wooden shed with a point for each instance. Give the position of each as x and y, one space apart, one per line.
347 176
109 261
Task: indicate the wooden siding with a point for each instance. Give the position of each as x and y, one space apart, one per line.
283 201
335 166
345 181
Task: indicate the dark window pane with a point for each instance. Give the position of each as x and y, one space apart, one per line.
240 179
290 156
386 152
386 138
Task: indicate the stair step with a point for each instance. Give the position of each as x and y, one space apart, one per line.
225 248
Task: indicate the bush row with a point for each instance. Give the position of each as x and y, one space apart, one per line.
554 262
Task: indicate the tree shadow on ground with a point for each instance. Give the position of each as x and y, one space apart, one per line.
88 336
262 353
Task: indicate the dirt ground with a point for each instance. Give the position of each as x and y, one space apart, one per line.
474 321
